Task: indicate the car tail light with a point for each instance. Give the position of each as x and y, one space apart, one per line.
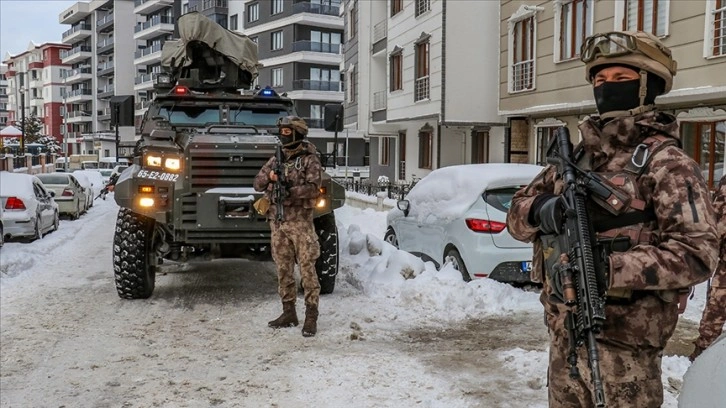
14 203
492 227
68 193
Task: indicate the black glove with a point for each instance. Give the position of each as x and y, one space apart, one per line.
547 212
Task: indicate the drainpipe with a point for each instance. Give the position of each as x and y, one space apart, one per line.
442 116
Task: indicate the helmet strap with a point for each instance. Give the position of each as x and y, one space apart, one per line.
643 86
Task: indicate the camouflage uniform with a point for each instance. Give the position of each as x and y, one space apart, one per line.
714 315
642 307
294 237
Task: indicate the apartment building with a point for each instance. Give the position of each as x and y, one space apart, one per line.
34 81
421 83
3 96
542 81
299 47
100 36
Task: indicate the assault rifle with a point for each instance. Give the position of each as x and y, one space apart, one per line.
581 276
278 191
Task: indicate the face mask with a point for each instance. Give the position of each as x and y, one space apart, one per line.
617 96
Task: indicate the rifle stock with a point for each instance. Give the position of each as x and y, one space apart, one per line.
582 288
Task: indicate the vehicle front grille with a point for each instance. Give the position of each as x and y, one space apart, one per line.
246 231
211 167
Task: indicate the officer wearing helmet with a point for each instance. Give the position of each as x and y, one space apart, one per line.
664 243
294 237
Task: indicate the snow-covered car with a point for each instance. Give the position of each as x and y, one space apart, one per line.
69 194
119 169
2 228
105 175
96 179
85 182
458 214
29 209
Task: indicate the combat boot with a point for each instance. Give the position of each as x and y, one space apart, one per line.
288 318
310 327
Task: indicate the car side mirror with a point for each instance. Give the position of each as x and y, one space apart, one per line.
52 194
403 205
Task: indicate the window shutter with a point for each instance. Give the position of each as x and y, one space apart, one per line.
662 18
631 15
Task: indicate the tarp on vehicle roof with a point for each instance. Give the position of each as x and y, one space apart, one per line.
195 27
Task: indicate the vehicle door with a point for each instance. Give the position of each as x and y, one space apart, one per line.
80 191
406 228
45 205
430 237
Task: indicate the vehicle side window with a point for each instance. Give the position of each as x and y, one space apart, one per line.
39 191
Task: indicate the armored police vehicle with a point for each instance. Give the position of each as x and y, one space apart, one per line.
188 192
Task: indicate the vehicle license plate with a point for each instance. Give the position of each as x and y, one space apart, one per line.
526 266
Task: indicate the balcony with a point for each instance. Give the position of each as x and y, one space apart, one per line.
78 75
154 27
104 114
315 47
79 116
35 83
315 8
310 85
105 46
76 54
380 100
37 101
141 107
105 68
144 82
380 33
105 91
77 33
146 7
79 95
105 24
422 89
36 65
148 55
74 13
218 6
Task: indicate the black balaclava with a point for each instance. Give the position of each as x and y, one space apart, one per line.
623 96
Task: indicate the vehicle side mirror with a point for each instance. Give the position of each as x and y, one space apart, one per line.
403 205
52 193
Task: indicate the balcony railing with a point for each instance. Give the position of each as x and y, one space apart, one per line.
142 105
380 31
307 84
316 47
79 113
380 100
105 65
306 7
103 43
207 4
106 88
79 92
145 78
422 89
522 75
148 50
74 29
77 71
75 50
156 20
104 20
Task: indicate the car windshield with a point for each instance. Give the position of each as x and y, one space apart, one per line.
500 198
53 178
106 172
203 115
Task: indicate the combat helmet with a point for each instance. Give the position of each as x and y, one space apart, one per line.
639 50
297 127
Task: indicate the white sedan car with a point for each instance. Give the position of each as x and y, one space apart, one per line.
458 214
28 208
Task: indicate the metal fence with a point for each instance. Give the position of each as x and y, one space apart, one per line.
396 191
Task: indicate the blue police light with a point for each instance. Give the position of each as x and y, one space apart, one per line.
267 92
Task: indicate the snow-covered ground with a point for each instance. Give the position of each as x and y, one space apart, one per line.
395 333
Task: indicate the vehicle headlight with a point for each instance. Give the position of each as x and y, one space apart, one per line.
172 163
153 161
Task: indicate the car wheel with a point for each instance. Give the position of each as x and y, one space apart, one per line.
452 256
391 237
134 256
327 264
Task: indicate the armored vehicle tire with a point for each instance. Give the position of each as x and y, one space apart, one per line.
134 261
327 264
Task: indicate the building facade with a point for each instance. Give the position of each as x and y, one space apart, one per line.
542 81
3 96
299 46
417 88
34 81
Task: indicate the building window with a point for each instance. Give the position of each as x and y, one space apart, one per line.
544 134
575 23
402 155
646 15
253 12
704 142
277 77
396 7
422 71
352 85
255 40
480 146
396 62
522 72
384 152
233 22
324 79
716 18
425 154
353 22
277 40
277 6
321 41
422 6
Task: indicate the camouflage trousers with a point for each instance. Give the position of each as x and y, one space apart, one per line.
291 241
630 351
714 316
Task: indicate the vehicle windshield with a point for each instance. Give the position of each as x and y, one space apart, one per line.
106 172
53 178
203 115
90 165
